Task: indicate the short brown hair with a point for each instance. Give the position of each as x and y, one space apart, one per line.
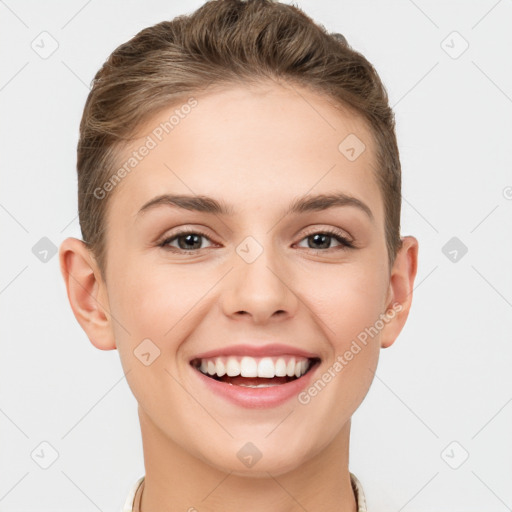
225 42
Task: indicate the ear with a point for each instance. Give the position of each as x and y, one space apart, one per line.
401 285
87 292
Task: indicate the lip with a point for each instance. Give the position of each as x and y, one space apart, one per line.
275 349
257 398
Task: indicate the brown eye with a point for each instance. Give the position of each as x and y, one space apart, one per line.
322 240
186 241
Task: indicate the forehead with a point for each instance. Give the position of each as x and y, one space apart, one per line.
254 146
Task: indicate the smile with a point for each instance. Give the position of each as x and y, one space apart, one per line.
235 370
255 381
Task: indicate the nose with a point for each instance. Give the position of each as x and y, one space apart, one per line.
261 290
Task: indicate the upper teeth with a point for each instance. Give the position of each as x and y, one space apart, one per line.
266 367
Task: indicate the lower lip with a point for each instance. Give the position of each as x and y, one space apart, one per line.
271 396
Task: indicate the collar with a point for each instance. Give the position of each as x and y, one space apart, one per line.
356 487
359 493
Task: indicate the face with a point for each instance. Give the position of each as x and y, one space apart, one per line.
244 282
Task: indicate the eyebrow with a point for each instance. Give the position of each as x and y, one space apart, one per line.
302 204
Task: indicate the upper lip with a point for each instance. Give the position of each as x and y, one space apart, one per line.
275 349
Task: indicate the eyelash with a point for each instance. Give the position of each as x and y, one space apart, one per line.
345 243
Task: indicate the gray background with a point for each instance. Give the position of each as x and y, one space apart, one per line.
442 391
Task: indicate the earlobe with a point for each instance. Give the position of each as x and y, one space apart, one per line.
401 286
86 292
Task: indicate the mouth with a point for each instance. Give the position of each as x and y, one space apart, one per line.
255 372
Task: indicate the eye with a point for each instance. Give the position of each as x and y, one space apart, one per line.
320 240
187 241
191 241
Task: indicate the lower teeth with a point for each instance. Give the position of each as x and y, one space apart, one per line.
258 385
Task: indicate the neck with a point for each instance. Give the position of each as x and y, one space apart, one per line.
177 480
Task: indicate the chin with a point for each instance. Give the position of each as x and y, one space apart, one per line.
276 465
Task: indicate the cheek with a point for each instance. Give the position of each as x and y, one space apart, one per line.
348 306
348 303
157 303
347 300
150 308
144 296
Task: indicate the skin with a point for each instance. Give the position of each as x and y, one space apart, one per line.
256 148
